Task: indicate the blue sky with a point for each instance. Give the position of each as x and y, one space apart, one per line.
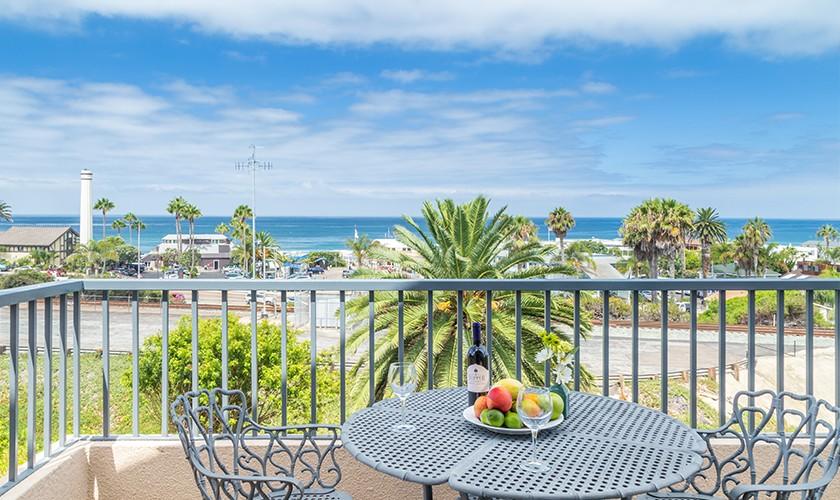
367 108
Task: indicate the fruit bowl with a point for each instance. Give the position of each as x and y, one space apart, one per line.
469 416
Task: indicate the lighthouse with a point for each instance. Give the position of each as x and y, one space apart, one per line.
86 208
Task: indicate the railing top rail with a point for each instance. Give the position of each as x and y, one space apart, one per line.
33 292
466 284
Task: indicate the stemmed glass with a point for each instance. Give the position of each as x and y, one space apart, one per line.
402 377
533 404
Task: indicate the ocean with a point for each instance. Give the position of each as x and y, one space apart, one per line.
303 234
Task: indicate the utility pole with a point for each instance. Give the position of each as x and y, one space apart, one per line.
253 165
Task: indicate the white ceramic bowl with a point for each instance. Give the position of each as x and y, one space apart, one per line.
469 416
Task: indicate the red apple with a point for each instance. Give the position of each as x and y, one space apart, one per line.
500 399
480 405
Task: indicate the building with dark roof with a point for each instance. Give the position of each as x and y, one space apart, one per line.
19 241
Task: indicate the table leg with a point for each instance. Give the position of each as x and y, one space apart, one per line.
427 492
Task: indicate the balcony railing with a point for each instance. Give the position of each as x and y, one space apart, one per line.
68 295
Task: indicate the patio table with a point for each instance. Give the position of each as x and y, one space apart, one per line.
606 448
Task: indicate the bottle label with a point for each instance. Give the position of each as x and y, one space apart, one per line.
478 378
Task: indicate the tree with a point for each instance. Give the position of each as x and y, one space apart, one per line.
104 205
118 225
708 229
827 233
560 221
242 232
657 228
136 223
267 249
461 242
756 233
578 256
191 213
360 247
222 229
42 258
176 207
5 211
130 219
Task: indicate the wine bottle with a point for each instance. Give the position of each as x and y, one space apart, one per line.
478 376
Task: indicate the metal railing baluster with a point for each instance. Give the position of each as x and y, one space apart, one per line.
14 374
837 347
663 386
164 364
430 340
284 360
780 351
31 393
313 357
692 398
225 347
77 346
400 326
48 366
194 342
634 306
342 355
605 348
547 327
489 320
751 351
722 415
106 365
576 327
518 345
135 364
371 346
459 327
254 382
62 370
809 342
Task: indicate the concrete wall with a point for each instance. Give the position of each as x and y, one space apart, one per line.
115 470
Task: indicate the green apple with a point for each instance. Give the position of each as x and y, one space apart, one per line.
557 406
493 418
512 420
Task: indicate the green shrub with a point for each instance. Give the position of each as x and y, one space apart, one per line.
765 310
23 278
239 367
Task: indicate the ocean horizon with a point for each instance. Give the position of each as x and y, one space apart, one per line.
308 233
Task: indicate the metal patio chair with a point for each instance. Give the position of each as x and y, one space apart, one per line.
804 452
234 457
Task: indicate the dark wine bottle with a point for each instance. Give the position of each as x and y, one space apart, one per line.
478 376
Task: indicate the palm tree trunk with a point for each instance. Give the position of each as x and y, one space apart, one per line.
682 256
654 265
103 225
562 251
178 233
704 259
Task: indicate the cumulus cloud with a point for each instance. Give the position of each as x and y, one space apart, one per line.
597 87
776 27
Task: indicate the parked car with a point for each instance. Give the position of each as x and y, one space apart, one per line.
346 273
316 270
170 275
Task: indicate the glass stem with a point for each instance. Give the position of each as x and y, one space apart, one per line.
534 444
402 409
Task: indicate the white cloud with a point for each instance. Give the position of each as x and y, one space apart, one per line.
239 56
777 27
413 75
197 94
684 73
597 87
604 121
344 78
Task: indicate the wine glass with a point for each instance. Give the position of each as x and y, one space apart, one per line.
402 377
533 404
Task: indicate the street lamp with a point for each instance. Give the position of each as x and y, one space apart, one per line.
253 165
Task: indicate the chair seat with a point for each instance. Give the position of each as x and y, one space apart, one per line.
332 495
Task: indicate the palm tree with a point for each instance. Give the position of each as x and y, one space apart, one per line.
130 219
42 258
242 232
5 211
656 228
709 229
461 242
118 225
191 213
560 221
756 234
360 247
139 226
827 233
176 207
222 229
104 205
267 249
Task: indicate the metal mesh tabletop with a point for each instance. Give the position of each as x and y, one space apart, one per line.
606 448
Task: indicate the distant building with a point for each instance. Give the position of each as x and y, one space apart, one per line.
19 241
214 249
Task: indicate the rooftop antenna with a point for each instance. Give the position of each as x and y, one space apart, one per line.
253 165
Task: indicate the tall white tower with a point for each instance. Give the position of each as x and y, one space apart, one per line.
86 208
